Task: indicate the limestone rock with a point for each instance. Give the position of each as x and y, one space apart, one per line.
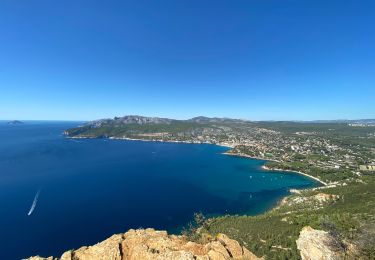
41 258
322 197
249 255
233 247
317 245
67 255
147 244
214 255
217 248
108 249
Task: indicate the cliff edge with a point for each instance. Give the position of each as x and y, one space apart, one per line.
151 244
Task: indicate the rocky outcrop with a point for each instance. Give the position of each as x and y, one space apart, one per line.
141 120
314 201
323 197
318 245
145 244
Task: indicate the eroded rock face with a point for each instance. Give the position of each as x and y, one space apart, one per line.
145 244
317 245
322 197
317 199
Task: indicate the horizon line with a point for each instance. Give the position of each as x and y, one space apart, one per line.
182 119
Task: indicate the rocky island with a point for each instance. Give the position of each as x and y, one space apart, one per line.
15 122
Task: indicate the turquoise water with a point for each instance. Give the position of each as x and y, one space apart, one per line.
90 189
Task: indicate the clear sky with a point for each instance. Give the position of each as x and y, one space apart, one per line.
259 60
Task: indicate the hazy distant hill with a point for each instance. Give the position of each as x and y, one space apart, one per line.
137 126
133 125
347 121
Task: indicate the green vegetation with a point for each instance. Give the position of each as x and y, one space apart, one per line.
274 233
327 175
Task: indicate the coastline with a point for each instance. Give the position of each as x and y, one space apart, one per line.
248 156
282 200
148 140
264 167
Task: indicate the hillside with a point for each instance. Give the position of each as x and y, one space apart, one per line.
346 212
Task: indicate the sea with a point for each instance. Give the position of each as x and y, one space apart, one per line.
58 193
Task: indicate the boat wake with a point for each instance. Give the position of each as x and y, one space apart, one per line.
34 203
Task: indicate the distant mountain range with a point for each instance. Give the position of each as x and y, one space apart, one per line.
135 119
177 124
144 120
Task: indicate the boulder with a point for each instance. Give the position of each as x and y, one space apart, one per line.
317 245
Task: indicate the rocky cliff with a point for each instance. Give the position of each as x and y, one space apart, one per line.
318 245
144 244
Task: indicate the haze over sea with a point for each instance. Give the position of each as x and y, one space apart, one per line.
90 189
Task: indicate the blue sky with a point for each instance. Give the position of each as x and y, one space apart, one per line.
259 60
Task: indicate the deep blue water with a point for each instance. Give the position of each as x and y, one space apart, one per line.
93 188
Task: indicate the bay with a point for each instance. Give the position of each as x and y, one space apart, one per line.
81 191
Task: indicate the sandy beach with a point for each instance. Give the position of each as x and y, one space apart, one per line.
307 175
